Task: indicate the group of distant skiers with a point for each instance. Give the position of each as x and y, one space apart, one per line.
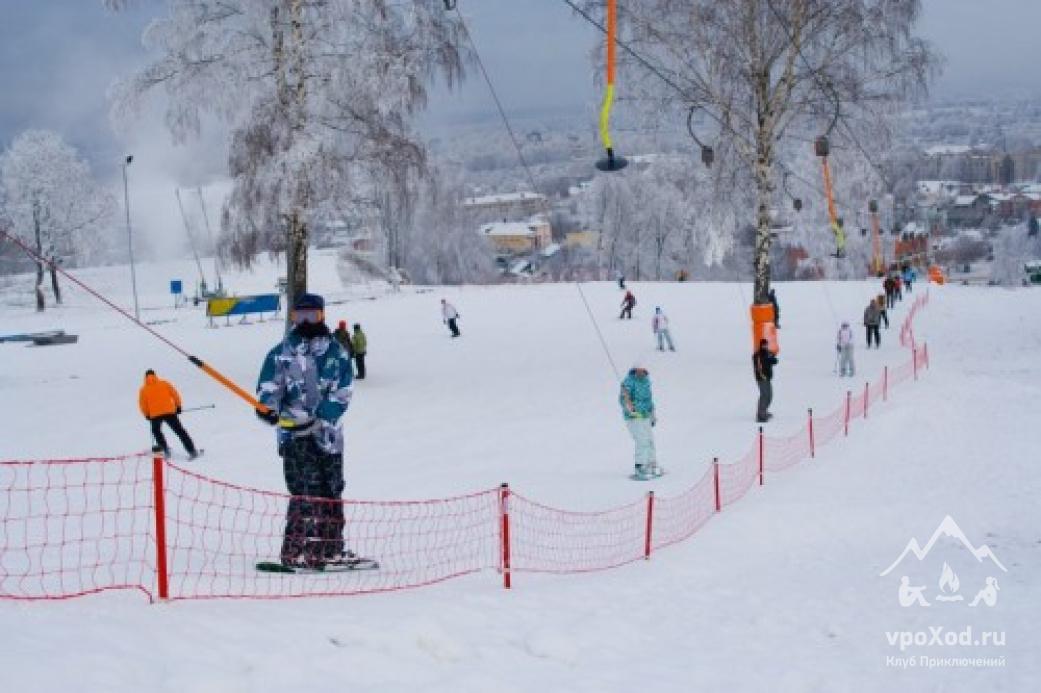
876 315
637 402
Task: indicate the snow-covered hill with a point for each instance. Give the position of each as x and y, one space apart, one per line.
780 592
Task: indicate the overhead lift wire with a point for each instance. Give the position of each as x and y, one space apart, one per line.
528 172
209 370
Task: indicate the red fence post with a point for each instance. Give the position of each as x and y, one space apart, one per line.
650 524
715 470
160 525
914 360
849 397
761 455
885 383
867 397
504 536
812 450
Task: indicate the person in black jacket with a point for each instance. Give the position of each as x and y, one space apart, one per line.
763 362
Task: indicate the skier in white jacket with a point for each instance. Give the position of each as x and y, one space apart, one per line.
660 325
844 346
450 315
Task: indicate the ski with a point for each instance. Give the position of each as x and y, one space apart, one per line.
352 565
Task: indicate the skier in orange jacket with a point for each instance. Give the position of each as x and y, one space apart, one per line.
160 403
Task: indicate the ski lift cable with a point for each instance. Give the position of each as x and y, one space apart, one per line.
498 103
685 93
206 368
529 174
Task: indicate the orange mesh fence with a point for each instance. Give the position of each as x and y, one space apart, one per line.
217 532
735 479
548 540
677 519
782 453
827 428
75 527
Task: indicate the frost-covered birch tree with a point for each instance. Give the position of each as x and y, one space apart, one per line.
761 71
444 240
319 96
53 204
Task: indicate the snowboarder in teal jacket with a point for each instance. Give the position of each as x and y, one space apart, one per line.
637 404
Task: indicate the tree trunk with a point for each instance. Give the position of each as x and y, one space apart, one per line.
296 257
764 185
40 305
54 282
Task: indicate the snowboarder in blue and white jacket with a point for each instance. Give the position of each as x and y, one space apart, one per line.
637 404
305 382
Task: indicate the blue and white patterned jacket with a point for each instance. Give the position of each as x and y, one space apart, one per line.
308 382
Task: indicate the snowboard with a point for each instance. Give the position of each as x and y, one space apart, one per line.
658 472
351 566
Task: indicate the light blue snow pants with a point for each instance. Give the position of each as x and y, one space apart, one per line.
846 360
643 436
663 337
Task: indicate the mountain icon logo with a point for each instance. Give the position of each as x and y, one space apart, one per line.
948 528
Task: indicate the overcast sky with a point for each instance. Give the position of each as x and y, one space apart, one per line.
57 58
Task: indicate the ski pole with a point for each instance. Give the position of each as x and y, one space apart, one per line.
209 370
198 408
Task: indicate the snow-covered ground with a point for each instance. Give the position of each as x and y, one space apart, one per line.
780 592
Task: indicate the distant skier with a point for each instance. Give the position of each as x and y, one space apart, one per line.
763 362
450 316
621 279
637 404
343 336
890 290
883 314
898 293
660 325
361 347
628 303
909 277
777 309
872 317
161 403
844 346
305 383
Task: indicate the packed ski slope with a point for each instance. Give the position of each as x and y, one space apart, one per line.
779 592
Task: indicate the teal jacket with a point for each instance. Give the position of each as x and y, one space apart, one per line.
636 393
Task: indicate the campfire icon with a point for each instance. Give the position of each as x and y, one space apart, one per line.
948 583
948 580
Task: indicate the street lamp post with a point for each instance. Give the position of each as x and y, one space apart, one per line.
130 237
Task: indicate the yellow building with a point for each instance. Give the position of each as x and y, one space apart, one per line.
517 236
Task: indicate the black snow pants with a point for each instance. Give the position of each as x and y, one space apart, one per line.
314 518
174 423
